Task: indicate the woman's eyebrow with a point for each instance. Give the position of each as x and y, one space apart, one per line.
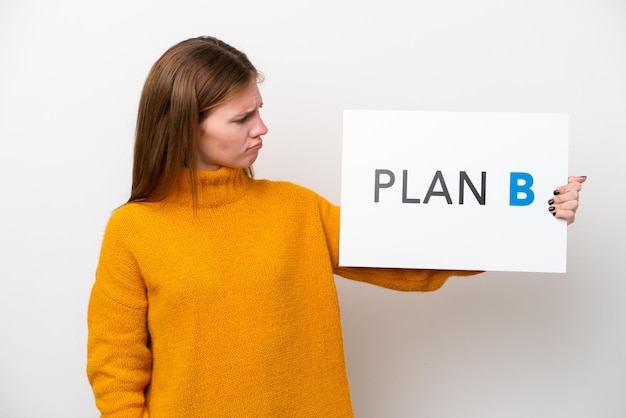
249 111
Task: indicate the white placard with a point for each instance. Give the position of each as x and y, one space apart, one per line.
453 190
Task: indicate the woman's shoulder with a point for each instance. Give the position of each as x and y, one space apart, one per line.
128 214
286 193
286 188
129 209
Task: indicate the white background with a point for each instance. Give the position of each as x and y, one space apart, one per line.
497 345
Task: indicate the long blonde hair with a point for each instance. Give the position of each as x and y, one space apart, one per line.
189 79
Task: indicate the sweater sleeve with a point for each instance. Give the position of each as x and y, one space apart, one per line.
118 357
392 278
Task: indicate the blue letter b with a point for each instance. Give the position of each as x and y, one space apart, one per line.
520 185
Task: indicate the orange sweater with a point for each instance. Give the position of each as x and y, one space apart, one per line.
231 311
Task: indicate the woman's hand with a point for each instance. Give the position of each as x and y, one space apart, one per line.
565 201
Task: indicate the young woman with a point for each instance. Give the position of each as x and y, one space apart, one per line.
214 294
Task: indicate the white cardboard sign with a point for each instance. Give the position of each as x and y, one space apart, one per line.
453 190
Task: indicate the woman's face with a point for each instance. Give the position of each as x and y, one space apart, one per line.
230 135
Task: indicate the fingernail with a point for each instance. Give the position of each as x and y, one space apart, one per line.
551 208
556 192
551 201
553 213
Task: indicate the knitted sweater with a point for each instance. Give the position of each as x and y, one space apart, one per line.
230 310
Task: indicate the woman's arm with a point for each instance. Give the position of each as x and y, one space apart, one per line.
391 278
118 357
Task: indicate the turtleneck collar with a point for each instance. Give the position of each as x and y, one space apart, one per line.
215 188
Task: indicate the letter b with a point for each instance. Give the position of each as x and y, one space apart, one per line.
520 185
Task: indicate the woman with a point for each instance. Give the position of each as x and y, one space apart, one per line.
214 294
